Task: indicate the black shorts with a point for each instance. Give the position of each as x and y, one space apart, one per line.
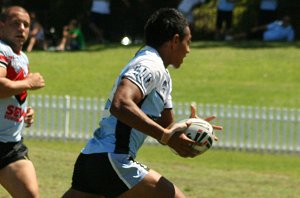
11 152
106 174
224 16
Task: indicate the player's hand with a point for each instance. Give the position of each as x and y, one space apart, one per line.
208 119
28 120
180 142
35 80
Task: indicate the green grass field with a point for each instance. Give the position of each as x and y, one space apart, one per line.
217 73
215 174
238 74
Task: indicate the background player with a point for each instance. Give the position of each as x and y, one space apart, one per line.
17 173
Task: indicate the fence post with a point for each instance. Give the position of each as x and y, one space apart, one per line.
46 118
228 125
298 129
284 129
277 128
270 127
256 128
242 128
53 117
67 115
262 128
248 133
291 131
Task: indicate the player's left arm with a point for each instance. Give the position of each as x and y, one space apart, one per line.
29 116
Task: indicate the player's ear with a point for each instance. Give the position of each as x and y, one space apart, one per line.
175 40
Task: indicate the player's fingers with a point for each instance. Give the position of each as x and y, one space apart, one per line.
29 111
217 127
210 118
29 122
193 111
216 138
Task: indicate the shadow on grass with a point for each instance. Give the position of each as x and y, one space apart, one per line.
195 44
244 44
209 44
101 47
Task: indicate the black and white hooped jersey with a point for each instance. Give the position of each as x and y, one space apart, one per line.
13 109
148 72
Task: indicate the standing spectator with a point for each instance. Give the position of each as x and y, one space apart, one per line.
224 18
139 105
36 34
186 8
73 38
17 173
100 19
267 11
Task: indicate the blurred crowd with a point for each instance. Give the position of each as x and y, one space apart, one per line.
122 21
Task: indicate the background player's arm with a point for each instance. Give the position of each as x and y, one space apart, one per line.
9 88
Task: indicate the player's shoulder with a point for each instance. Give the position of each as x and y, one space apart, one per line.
5 49
149 58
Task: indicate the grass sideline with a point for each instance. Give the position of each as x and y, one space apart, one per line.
217 173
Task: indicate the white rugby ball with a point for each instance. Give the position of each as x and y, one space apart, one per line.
200 131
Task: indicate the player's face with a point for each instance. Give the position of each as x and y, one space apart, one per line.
182 48
15 29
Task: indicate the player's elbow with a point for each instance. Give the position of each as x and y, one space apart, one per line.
119 107
116 107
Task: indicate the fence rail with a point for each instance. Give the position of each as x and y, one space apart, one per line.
245 127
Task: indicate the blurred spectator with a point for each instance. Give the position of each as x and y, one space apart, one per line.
224 18
267 11
100 19
36 34
279 30
73 38
186 8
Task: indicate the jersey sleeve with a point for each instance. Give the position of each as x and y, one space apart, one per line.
3 60
144 77
169 103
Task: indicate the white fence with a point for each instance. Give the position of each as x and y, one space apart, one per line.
245 127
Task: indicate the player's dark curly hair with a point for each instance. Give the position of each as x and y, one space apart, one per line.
163 25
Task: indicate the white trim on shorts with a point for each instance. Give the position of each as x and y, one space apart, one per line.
128 170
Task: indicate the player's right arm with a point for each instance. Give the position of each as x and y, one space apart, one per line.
9 88
124 107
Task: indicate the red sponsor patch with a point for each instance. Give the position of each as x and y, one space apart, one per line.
14 113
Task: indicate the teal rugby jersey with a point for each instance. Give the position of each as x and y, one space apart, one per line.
148 72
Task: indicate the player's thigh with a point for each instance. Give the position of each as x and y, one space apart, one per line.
19 179
154 185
